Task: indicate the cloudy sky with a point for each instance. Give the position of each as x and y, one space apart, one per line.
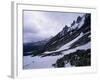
40 25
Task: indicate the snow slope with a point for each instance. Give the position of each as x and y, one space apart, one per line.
83 47
66 46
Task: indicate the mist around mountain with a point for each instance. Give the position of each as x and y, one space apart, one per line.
71 47
34 48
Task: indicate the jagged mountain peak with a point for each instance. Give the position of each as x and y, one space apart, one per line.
75 24
79 18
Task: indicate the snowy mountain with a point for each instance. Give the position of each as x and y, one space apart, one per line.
69 48
81 25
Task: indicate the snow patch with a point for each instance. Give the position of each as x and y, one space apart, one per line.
74 26
68 65
83 47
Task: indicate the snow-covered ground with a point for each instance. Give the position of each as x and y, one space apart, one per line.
40 62
47 61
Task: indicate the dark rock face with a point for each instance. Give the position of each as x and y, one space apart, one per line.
73 23
78 19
